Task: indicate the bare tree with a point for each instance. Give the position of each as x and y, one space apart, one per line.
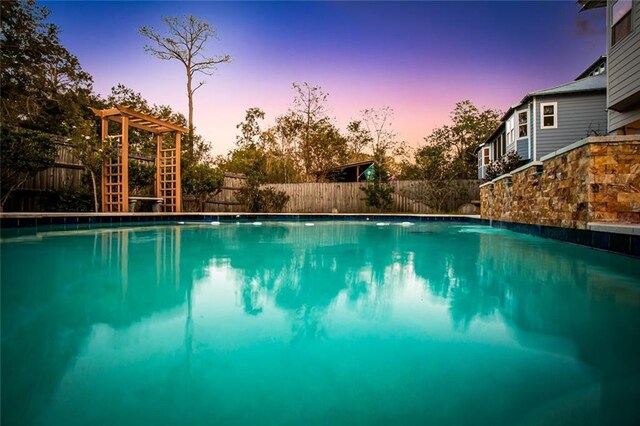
309 107
379 124
185 41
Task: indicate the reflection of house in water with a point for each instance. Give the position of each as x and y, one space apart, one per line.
607 289
541 302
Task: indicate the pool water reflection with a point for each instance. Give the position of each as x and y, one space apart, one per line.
337 323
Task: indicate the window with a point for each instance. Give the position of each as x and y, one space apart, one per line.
510 131
499 144
549 115
523 124
620 20
486 157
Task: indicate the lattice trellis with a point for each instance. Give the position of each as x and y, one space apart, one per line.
115 172
168 175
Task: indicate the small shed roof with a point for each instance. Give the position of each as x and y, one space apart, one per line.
351 172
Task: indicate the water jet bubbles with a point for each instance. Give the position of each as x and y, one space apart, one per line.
257 224
309 224
180 223
215 223
406 224
382 224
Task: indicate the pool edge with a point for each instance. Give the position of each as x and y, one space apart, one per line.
596 237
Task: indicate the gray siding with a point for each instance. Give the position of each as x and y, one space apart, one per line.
618 120
578 116
522 146
482 172
623 69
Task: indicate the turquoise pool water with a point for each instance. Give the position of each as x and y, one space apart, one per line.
337 323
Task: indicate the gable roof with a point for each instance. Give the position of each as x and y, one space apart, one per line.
587 84
591 4
597 64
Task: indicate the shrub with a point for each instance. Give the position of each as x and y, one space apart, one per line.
68 200
267 200
202 180
378 195
505 164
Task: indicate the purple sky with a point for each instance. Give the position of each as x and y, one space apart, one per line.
419 58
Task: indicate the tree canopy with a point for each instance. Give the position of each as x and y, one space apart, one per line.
42 84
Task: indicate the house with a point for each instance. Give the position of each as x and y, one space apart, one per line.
549 119
623 51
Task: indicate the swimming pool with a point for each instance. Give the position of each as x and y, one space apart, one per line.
335 323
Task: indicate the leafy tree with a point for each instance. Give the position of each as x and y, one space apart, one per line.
285 134
329 149
203 180
185 41
449 153
358 140
42 84
470 127
23 153
92 152
251 159
140 140
309 113
142 175
250 128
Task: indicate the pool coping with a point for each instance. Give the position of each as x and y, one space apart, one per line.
622 239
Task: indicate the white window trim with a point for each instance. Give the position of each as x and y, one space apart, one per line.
510 132
555 115
518 126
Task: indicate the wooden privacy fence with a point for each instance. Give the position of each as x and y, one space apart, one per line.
225 200
66 172
408 197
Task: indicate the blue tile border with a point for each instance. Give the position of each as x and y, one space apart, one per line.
618 243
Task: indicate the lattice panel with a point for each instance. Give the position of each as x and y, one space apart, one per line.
169 176
113 185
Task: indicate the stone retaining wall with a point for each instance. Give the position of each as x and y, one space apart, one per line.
594 180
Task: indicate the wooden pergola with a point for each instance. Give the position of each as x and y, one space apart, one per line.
115 173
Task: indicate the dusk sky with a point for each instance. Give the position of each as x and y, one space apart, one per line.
418 58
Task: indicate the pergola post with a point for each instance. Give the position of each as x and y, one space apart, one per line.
124 161
104 133
178 174
158 168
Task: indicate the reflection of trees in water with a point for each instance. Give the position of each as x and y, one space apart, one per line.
306 279
479 275
109 278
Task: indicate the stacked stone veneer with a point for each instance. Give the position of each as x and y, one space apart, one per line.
594 180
